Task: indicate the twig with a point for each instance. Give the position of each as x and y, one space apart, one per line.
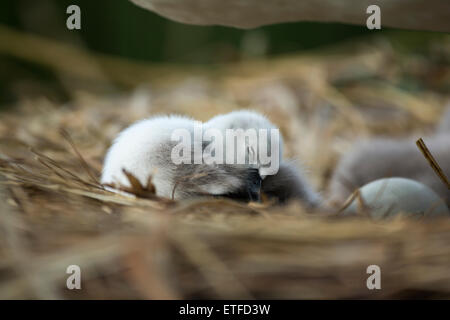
433 163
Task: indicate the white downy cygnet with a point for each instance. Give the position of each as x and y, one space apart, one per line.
382 158
144 149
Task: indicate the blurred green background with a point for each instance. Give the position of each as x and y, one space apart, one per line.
121 29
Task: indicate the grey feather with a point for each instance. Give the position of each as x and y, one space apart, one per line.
288 184
380 158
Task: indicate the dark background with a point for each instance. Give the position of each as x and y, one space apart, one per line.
121 29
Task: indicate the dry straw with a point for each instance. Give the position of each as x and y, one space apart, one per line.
133 244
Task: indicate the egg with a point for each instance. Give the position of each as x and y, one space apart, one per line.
388 197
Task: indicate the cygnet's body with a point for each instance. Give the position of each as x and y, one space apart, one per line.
144 149
290 183
382 158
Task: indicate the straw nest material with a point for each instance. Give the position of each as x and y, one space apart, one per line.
54 212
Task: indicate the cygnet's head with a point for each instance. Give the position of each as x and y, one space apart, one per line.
264 143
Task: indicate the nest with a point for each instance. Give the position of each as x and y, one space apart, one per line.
54 212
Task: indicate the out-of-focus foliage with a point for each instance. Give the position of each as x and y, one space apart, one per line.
120 29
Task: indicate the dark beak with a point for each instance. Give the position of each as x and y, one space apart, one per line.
254 186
